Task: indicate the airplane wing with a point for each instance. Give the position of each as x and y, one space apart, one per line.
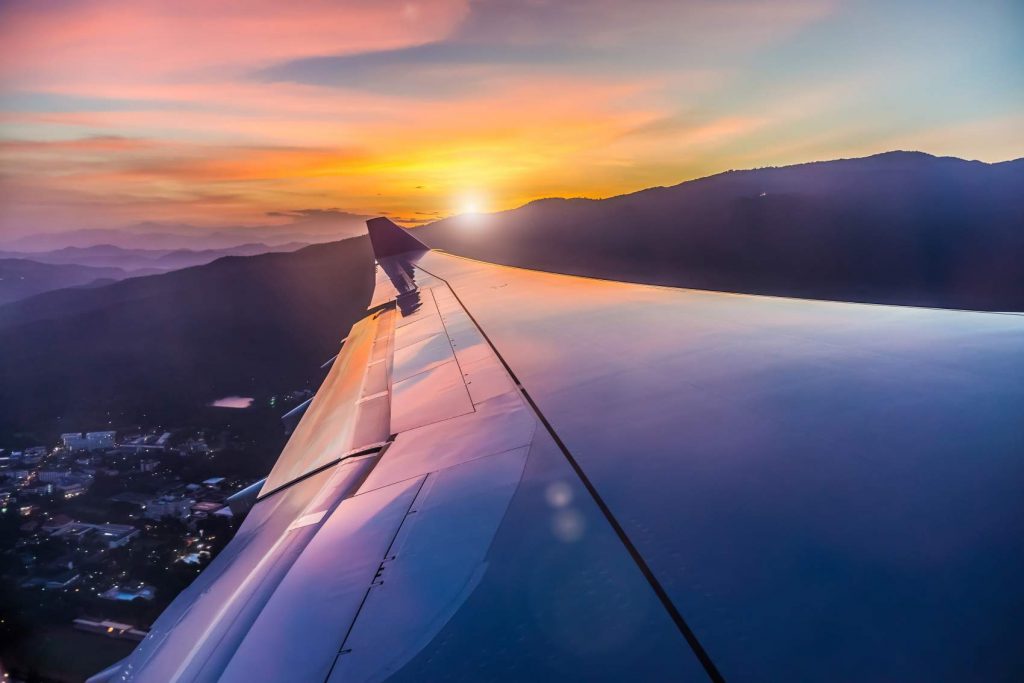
515 475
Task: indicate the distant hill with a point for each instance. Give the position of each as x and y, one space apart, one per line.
144 261
308 226
163 346
21 278
900 227
183 258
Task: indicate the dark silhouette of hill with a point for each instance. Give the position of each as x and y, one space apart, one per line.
901 227
22 278
162 347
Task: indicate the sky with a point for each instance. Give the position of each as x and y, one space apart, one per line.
238 113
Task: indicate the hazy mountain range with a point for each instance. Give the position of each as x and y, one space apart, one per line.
900 227
149 260
307 226
24 274
149 247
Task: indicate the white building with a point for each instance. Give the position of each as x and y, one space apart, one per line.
113 535
90 441
52 476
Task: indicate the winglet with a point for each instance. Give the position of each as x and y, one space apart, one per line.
389 239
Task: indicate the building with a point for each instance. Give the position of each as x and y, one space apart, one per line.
195 445
205 508
56 523
168 506
19 475
90 441
111 535
67 483
129 593
131 498
52 476
112 629
54 580
71 489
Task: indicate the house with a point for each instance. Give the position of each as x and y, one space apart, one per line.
168 506
206 508
62 578
129 593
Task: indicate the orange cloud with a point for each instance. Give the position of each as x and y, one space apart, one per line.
207 111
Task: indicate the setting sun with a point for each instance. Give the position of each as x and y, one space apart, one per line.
470 204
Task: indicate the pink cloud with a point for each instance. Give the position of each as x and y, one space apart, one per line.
105 41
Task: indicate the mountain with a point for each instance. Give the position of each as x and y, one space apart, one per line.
21 278
163 346
100 255
183 258
308 226
899 227
143 261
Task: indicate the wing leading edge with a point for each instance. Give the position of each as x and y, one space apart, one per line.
420 524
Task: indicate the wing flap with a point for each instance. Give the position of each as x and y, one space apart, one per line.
433 566
296 635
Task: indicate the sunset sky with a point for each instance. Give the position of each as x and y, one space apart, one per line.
224 112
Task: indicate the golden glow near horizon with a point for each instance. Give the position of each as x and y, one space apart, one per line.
223 113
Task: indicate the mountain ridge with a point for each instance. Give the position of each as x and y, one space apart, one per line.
898 227
24 278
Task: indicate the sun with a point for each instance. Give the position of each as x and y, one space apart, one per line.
470 203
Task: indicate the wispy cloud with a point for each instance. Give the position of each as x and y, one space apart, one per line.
233 111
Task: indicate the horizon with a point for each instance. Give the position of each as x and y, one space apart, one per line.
297 219
227 115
